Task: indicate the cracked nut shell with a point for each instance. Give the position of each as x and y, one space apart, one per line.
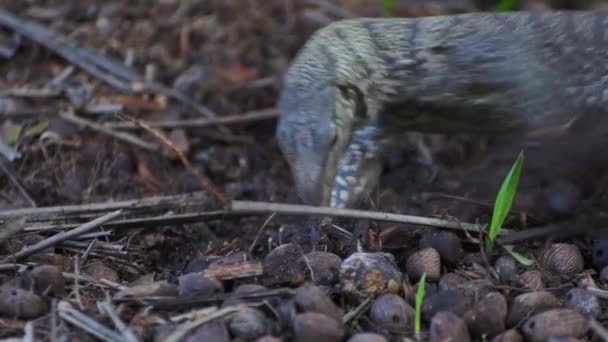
583 301
364 275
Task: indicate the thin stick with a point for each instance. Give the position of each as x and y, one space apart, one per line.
293 209
16 183
122 136
155 202
257 236
86 323
61 236
150 221
185 328
124 330
263 114
598 329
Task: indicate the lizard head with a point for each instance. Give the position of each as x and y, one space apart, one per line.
314 131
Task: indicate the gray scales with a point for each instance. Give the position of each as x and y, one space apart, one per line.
358 84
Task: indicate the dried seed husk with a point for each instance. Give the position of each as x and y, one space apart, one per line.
447 244
563 259
532 279
424 261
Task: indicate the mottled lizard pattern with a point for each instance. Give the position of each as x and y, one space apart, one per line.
358 84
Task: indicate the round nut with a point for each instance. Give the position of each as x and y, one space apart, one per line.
506 268
450 300
488 316
364 275
447 244
315 327
447 326
196 284
563 259
555 322
48 281
392 313
16 302
508 336
311 298
322 268
450 281
249 323
280 265
424 261
530 303
367 337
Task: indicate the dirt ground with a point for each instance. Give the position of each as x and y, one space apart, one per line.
73 137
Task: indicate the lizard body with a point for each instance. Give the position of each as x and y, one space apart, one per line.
358 84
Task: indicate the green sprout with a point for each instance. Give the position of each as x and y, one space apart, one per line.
506 5
389 6
503 203
419 299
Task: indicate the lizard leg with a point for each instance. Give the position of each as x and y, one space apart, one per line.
359 169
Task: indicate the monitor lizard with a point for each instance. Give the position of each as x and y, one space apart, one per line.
358 84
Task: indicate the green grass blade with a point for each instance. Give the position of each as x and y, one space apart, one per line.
419 299
518 257
503 202
506 5
389 6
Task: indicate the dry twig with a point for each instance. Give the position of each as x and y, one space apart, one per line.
122 136
61 236
263 114
251 207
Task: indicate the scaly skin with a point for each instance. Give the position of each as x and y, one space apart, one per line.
358 84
